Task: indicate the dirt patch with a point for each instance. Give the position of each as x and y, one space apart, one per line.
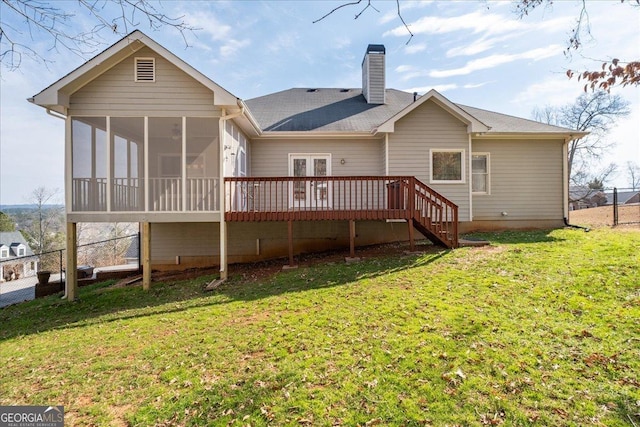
603 216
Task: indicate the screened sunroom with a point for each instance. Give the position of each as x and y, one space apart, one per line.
145 164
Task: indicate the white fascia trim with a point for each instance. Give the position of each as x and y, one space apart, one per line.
317 135
511 135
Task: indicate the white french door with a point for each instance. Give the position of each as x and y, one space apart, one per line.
313 193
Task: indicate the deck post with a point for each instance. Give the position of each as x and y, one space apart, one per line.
146 255
352 238
412 243
290 227
71 275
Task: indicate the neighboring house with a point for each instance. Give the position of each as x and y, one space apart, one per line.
624 197
17 260
132 255
213 179
581 197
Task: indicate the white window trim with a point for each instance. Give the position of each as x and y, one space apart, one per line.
447 150
22 251
4 252
135 69
482 193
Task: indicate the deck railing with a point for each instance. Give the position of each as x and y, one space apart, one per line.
343 198
127 195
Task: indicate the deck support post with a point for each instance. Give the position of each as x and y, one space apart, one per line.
71 272
290 229
412 243
352 238
146 255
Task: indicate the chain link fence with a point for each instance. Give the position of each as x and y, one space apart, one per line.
626 206
105 253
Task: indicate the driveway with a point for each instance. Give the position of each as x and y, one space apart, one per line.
20 290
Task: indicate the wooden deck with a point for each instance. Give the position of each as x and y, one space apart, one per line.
351 198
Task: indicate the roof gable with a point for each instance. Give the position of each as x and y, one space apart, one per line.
56 96
14 241
473 124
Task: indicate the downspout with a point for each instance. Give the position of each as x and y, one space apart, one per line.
222 188
565 187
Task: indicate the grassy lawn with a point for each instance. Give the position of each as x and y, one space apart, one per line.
541 328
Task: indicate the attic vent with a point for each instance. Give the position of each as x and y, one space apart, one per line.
145 70
312 90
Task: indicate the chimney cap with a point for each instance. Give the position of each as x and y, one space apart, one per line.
376 48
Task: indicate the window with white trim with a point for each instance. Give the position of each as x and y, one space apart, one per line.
447 166
145 70
4 252
21 251
480 173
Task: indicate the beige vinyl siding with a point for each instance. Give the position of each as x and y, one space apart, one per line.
169 240
374 78
361 157
526 180
425 128
233 140
116 92
198 243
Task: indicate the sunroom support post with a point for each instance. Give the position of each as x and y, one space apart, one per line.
146 255
352 238
71 277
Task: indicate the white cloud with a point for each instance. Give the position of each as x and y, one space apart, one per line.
476 22
404 6
232 46
208 24
493 61
404 68
439 88
474 85
555 91
415 48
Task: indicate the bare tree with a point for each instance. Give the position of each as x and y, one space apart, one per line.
367 5
40 231
633 173
594 112
613 72
21 21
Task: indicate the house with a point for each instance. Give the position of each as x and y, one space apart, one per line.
213 179
17 260
624 197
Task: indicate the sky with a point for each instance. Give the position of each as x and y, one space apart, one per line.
476 53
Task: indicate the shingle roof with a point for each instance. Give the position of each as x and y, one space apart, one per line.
345 110
12 239
504 123
324 110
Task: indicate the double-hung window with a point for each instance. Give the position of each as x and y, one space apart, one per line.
447 166
480 183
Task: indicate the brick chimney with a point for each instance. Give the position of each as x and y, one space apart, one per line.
373 74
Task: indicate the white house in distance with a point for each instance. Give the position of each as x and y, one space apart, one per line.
17 260
214 179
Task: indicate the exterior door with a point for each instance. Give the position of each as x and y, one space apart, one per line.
313 193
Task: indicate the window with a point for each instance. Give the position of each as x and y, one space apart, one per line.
4 252
145 70
447 166
480 173
21 251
